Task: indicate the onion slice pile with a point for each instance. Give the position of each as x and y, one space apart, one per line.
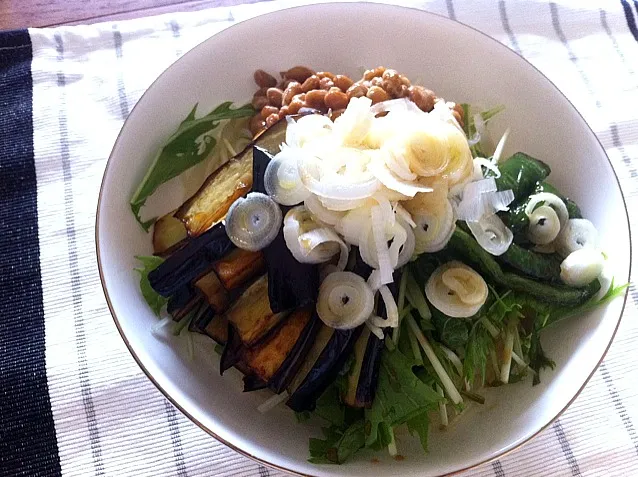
252 223
456 290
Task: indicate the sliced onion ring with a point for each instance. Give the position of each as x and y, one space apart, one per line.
310 173
345 300
544 225
492 234
320 212
551 200
380 241
391 181
576 234
407 249
253 223
282 180
310 243
433 231
452 286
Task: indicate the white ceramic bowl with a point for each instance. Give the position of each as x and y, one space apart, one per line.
460 64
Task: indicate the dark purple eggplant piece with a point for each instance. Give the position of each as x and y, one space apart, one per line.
253 383
324 369
290 284
289 368
369 376
233 351
182 302
360 267
199 323
261 159
191 261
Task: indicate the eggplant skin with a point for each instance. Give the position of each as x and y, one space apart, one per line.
261 159
265 359
233 351
253 383
191 261
290 284
201 322
324 371
183 301
369 377
286 372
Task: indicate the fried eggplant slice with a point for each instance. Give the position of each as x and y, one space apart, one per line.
225 185
265 359
191 261
295 358
321 366
169 234
251 315
213 290
239 267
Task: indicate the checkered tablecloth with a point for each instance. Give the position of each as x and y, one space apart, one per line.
72 400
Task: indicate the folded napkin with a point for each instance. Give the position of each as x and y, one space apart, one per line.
72 400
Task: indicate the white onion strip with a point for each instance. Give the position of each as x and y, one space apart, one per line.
272 402
383 254
310 173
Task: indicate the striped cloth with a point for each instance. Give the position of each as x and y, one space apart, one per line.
72 400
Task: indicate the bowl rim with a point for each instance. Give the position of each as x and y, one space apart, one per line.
439 16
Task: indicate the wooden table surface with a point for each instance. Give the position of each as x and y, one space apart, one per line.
42 13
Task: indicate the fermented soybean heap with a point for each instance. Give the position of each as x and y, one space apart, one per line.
406 267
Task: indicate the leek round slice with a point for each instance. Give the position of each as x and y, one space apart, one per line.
309 242
492 234
582 267
577 234
456 290
282 180
551 200
544 225
252 223
345 300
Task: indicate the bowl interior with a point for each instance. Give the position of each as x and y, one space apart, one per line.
459 64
